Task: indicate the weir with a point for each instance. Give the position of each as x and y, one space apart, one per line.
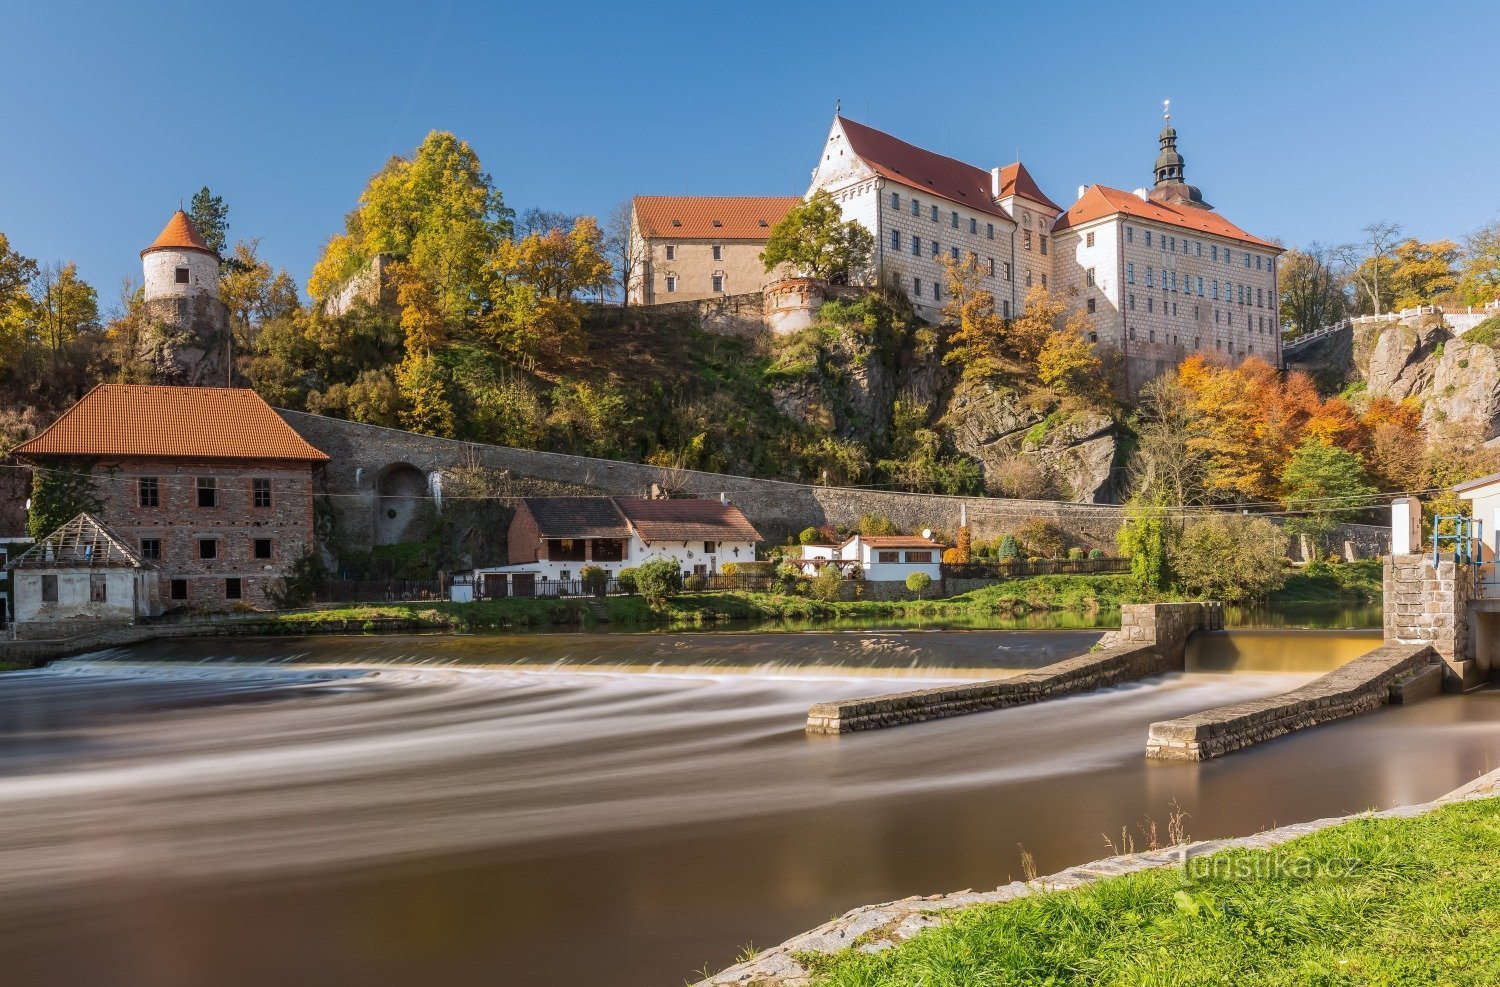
1152 640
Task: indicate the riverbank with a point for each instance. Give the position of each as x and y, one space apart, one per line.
1402 896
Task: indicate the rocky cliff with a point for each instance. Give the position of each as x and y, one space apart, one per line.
1456 378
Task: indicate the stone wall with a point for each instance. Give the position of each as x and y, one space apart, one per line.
1429 604
729 315
361 454
1151 641
1361 685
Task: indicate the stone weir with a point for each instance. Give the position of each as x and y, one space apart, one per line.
1152 640
1393 672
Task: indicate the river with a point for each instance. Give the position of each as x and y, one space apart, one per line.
603 809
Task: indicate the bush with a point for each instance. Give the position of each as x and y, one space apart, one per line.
1042 538
695 583
304 578
1075 553
876 524
918 582
1096 553
658 580
827 584
809 536
954 556
788 575
750 568
594 579
1009 549
1231 557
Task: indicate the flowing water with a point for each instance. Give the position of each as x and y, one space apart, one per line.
584 809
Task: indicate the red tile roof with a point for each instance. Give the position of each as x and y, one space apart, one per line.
1100 201
1016 180
686 520
180 234
895 541
576 517
899 161
711 217
143 420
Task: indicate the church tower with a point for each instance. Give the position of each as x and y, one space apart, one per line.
1170 187
186 338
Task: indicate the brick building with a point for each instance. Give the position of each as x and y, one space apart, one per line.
208 485
693 247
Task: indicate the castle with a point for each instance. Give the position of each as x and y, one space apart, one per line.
186 338
1161 273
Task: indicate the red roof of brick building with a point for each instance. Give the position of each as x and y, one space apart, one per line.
711 217
143 420
686 520
180 234
1100 201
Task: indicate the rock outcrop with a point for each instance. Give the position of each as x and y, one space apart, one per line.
1455 379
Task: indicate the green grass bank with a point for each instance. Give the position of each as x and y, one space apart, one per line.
1371 901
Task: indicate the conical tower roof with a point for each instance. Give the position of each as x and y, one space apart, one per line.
181 234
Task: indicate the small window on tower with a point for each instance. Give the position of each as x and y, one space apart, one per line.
182 275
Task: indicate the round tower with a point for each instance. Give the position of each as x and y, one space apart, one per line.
180 263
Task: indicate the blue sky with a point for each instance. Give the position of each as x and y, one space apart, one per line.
1302 121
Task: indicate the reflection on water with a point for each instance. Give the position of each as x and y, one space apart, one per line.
558 826
1268 650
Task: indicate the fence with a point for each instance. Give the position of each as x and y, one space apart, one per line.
381 590
1041 567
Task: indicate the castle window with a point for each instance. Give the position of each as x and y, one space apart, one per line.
1044 280
1007 270
260 493
934 214
1026 239
1130 234
671 251
182 275
955 221
208 548
1197 248
935 248
1005 309
1088 240
973 225
1130 274
151 549
895 200
231 589
1091 306
953 253
1213 251
916 246
671 283
718 252
1150 304
1151 336
989 230
1132 303
1043 241
992 267
1028 279
937 291
916 287
1150 277
1200 287
1088 277
895 239
208 492
1132 332
149 491
916 207
718 282
1148 238
1247 260
262 548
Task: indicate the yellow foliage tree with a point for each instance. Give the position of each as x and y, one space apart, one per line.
976 342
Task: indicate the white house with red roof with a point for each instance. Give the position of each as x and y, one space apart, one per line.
879 558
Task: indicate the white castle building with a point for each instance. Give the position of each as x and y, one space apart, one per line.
1162 274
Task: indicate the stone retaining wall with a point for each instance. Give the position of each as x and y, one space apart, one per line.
1151 641
1361 685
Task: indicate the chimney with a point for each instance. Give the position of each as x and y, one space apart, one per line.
1082 189
994 183
724 498
1140 193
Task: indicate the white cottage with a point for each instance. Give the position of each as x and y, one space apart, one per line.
880 558
552 539
81 574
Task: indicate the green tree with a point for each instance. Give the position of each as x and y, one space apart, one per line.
65 308
1231 557
918 582
61 491
658 580
1312 290
211 216
1326 486
1146 539
827 584
818 243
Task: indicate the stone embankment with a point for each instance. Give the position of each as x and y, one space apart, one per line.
873 928
1151 641
1362 685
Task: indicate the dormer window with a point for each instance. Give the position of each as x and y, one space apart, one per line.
182 275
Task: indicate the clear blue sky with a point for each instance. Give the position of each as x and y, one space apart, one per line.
1302 121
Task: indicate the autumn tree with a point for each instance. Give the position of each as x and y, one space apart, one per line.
64 308
1323 486
1422 273
815 240
1026 335
1312 290
1069 364
1168 465
627 252
977 339
536 283
211 218
1368 261
1479 280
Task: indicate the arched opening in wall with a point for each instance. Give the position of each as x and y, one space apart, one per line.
404 508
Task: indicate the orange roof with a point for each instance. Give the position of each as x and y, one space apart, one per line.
894 541
180 234
143 420
1016 180
711 217
1100 201
908 164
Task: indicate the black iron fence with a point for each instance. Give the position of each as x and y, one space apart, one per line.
1041 567
381 590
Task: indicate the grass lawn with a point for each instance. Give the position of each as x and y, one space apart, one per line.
1320 582
1372 901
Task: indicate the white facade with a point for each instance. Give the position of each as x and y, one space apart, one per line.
172 272
110 594
701 558
881 558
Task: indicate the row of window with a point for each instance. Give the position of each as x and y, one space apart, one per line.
1170 243
953 253
718 251
937 294
1257 323
148 492
99 588
715 282
1197 342
1242 293
208 548
936 213
893 558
